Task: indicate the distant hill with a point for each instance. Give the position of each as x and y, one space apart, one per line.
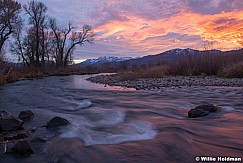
163 57
174 55
150 60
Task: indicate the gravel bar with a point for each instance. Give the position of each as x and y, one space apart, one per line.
168 81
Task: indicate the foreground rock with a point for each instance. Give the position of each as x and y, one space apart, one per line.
8 122
11 131
26 115
22 148
56 122
16 135
202 110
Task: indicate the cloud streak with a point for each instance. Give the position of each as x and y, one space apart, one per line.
142 27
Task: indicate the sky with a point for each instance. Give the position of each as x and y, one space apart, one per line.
134 28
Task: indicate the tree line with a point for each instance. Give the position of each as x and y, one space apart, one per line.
44 43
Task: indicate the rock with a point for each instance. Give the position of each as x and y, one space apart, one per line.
16 135
57 121
8 138
202 110
194 113
38 140
207 107
8 122
22 148
26 115
21 136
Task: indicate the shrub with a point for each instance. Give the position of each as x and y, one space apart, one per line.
195 65
152 72
234 71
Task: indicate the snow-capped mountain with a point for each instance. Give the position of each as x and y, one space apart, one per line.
105 59
150 60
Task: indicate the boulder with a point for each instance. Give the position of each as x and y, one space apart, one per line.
16 135
202 110
8 122
207 107
194 113
22 148
26 115
56 122
21 136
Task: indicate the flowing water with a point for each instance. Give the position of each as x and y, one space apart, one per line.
113 124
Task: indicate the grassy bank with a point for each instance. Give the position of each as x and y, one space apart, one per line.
11 74
232 71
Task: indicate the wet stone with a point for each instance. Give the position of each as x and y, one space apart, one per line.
56 122
8 122
202 110
22 149
26 115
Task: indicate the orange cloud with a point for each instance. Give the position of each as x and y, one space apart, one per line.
224 28
142 27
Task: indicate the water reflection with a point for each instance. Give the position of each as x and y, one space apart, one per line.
121 125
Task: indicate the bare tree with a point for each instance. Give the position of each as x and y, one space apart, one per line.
2 57
37 16
17 46
65 40
9 10
24 47
42 44
85 35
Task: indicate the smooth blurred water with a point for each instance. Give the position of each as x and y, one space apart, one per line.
114 124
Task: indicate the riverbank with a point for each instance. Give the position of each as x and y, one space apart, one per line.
30 74
167 81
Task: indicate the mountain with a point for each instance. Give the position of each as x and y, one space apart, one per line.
99 61
174 55
150 60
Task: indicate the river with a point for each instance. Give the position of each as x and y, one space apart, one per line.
114 124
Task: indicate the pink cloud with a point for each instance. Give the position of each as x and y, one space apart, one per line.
142 27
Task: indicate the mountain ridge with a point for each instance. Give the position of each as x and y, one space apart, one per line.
104 59
166 56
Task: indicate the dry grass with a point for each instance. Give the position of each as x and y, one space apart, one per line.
2 71
196 65
234 71
11 74
2 79
152 72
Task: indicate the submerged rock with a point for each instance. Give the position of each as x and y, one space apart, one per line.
8 122
16 135
194 113
26 115
202 110
21 136
38 144
22 148
57 121
207 107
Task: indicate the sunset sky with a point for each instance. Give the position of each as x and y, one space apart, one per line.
142 27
